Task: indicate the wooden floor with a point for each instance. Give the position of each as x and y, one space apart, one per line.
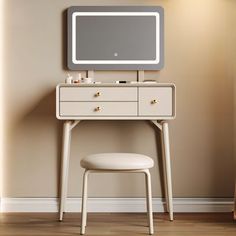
117 224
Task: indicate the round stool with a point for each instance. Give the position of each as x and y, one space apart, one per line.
119 163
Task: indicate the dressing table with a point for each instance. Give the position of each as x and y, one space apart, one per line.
115 38
153 102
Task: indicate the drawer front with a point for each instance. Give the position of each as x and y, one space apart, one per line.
97 94
156 101
98 109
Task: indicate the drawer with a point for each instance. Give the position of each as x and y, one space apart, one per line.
98 108
156 101
98 94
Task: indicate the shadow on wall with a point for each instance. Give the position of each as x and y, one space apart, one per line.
39 130
45 108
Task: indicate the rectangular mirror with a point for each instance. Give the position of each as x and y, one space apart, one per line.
115 38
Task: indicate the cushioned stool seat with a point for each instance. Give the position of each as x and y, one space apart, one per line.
116 161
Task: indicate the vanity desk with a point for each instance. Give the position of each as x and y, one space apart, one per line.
153 102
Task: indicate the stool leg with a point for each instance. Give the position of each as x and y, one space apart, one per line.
149 200
84 202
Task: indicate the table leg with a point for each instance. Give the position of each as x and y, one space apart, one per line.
167 168
164 173
64 165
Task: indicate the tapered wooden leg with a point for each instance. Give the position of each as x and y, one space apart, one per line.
164 172
149 200
64 165
84 202
167 168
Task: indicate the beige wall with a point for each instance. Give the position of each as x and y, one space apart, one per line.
198 59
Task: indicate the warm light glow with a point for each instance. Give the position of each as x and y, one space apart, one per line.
1 101
76 61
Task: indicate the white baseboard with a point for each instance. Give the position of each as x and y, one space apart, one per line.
116 205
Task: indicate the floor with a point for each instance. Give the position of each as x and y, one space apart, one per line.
197 224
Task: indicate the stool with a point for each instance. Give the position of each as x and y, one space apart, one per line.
118 163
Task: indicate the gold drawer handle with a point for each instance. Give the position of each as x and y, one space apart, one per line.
97 109
97 94
154 101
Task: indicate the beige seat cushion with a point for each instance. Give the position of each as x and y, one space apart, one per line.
116 161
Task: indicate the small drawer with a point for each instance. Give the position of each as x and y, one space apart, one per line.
157 101
98 109
97 94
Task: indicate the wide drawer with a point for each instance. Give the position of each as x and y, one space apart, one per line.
156 101
98 109
97 94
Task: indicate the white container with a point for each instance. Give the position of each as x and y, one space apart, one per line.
87 80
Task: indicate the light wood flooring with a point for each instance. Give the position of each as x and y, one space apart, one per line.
42 224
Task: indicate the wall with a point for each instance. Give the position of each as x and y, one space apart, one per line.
198 59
